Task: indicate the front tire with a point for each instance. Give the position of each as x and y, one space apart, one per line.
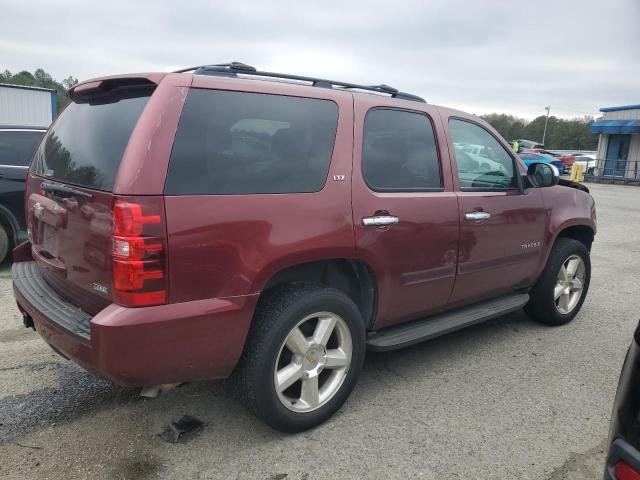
305 350
561 289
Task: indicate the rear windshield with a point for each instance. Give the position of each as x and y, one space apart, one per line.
242 143
85 145
17 146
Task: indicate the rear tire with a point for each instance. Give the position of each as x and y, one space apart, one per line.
303 355
4 244
561 289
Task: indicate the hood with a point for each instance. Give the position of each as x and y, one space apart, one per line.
570 184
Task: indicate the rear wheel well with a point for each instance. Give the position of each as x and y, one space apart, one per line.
581 233
353 277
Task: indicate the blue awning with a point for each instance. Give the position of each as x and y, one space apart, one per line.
632 126
608 126
616 126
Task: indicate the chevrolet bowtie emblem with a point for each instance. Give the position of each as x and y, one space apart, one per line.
38 210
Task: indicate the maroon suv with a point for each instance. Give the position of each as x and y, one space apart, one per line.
221 221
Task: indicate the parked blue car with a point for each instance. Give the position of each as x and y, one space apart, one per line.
529 157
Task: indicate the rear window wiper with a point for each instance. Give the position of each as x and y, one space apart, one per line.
63 190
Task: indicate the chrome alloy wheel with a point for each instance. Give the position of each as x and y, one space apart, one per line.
313 362
569 284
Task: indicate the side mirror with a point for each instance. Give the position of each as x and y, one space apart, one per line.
543 175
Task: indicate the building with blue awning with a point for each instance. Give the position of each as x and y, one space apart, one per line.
619 143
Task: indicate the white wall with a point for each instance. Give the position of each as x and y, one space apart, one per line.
633 160
634 148
622 114
23 106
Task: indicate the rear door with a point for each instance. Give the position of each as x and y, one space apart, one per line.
501 226
405 211
70 197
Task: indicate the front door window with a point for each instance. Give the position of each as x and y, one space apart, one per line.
483 163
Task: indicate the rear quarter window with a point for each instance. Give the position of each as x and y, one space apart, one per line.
250 143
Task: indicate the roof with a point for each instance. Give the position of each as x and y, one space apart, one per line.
622 107
8 126
225 71
26 87
234 69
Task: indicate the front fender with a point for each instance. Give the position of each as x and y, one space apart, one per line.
566 207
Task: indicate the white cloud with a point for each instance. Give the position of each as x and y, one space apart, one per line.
482 56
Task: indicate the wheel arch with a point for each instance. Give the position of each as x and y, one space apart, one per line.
585 234
580 231
352 276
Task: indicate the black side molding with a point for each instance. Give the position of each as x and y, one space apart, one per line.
415 332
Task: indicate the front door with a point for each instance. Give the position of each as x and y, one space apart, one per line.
405 211
615 162
501 227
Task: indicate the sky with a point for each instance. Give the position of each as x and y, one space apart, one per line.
481 56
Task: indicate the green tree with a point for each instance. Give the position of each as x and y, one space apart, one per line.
42 79
562 134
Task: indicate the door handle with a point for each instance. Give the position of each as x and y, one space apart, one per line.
477 216
379 221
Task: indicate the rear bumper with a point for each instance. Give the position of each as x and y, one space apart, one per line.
139 346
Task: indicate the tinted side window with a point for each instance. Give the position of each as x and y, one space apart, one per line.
481 160
85 145
16 147
399 152
242 143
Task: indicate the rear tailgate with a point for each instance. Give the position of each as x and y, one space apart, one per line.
69 192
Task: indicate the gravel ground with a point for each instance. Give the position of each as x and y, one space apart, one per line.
505 399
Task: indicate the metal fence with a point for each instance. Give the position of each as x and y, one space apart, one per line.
618 171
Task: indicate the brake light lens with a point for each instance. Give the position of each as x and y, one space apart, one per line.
623 471
128 218
138 253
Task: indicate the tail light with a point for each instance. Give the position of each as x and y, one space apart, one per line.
139 251
623 471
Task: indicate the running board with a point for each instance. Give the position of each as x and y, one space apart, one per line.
421 330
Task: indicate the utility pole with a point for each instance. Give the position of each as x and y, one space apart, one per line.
544 134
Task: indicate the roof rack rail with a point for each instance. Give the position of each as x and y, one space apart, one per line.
234 68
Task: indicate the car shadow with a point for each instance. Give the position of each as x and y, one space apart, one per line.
79 393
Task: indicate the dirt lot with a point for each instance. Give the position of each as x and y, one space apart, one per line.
506 399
